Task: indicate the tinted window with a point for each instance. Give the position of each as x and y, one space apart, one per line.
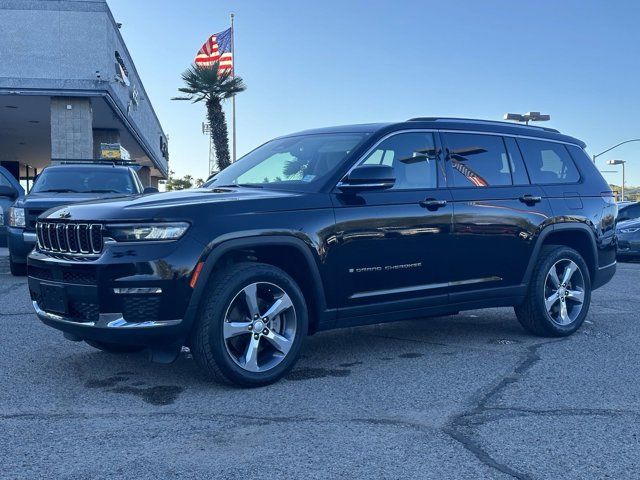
412 156
478 160
518 172
85 179
548 162
629 212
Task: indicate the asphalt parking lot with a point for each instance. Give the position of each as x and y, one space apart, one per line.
469 396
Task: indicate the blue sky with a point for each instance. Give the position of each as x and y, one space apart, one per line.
310 64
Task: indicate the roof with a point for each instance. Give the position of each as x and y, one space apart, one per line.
444 123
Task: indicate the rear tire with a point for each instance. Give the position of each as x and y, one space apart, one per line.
17 269
559 294
114 347
251 325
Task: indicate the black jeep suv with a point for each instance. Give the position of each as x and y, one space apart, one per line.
332 228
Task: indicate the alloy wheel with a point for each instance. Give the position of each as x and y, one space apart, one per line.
564 292
259 327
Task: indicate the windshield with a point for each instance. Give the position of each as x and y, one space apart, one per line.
295 163
85 180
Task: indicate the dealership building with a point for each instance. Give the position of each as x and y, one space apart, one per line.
68 85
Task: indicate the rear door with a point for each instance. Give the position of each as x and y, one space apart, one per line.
497 214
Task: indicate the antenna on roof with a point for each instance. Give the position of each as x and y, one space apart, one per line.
527 117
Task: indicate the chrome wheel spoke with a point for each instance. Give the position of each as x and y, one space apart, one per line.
564 315
551 301
251 297
553 276
251 355
283 344
569 270
279 306
233 329
575 295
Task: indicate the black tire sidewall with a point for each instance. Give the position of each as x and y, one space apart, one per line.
562 253
224 296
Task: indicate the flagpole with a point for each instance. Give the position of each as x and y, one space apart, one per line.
233 99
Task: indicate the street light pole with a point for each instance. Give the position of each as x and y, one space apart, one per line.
615 146
620 162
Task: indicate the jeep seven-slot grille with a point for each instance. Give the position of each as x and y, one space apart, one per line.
74 238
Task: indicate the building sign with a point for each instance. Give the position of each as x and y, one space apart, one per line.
113 151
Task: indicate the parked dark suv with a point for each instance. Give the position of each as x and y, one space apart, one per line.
62 184
332 228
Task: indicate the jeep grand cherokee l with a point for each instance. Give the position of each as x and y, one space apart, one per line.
332 228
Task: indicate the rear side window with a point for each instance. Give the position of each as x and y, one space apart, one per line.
548 162
478 160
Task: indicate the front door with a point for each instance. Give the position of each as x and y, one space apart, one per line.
497 214
391 244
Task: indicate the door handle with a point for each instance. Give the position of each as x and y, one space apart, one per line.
530 199
433 204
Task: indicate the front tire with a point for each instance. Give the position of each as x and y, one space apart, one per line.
559 294
251 326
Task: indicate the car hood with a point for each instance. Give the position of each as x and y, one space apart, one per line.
48 200
179 204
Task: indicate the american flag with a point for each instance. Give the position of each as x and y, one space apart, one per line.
217 48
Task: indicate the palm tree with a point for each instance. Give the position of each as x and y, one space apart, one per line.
209 85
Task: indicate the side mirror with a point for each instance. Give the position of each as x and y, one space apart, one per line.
368 177
150 190
8 191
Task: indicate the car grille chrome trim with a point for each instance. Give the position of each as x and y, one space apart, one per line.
70 238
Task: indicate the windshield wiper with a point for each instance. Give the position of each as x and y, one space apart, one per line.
101 191
59 190
248 185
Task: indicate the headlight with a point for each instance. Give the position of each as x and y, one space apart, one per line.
629 230
16 217
147 232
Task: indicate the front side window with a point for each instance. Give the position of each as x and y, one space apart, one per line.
478 160
84 180
548 162
413 158
298 163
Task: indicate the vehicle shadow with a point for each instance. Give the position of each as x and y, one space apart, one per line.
336 353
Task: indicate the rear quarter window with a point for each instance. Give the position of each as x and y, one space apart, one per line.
548 162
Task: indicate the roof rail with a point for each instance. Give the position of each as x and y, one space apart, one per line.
477 120
113 163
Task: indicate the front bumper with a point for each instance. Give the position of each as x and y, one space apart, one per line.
628 247
20 243
113 328
85 297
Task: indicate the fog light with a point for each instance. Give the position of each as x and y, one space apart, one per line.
137 291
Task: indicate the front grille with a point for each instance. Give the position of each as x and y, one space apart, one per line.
79 277
74 238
